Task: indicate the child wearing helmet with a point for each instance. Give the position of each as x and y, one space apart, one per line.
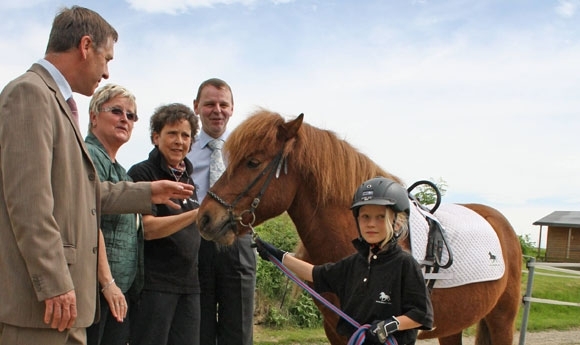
380 284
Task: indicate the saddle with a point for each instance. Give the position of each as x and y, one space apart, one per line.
436 240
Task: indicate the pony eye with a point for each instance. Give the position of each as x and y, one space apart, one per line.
253 163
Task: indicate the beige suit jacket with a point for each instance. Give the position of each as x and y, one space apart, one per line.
50 202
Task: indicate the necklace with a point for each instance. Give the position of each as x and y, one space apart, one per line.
178 171
178 174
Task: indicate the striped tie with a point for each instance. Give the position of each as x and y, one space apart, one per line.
73 107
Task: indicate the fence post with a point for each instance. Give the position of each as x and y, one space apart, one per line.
530 264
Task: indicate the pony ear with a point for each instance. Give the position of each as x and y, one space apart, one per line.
289 129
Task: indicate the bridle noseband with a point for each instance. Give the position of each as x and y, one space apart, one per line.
272 169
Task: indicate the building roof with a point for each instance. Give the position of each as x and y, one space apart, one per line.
569 219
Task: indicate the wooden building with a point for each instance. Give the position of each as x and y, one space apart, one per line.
563 236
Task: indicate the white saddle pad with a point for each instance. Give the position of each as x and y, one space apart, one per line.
477 254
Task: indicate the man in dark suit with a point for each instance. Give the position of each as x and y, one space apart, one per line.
50 194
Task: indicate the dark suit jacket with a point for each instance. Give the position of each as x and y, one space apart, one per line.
50 202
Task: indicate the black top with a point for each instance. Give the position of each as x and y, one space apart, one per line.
391 284
170 262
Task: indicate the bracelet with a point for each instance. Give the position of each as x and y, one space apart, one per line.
284 255
107 285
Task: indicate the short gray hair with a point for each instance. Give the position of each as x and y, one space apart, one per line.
105 94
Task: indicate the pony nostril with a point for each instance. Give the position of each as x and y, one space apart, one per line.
203 222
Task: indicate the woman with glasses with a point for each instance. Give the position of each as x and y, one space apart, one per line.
113 113
168 311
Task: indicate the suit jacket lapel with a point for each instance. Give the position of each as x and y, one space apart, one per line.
51 84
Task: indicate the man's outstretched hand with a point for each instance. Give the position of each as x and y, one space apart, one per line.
162 191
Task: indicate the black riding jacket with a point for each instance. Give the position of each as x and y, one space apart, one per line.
389 284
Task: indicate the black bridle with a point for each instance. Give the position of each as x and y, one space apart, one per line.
272 169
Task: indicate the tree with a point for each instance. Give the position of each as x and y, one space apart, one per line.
427 195
528 246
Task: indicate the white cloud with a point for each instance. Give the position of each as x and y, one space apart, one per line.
180 6
21 4
566 9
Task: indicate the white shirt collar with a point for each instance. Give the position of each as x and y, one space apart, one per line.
60 80
205 138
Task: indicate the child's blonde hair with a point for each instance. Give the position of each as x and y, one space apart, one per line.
401 225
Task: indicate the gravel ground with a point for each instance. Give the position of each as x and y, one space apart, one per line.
536 338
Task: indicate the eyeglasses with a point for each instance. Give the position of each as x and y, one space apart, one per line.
120 112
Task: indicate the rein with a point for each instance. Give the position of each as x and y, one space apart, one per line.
272 169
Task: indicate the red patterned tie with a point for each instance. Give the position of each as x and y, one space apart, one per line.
73 107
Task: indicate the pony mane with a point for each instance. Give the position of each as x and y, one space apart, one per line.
330 166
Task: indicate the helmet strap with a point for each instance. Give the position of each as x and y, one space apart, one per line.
396 233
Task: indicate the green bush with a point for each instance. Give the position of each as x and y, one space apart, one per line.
275 318
305 313
528 246
277 302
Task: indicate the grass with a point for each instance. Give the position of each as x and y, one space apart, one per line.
542 317
547 316
289 336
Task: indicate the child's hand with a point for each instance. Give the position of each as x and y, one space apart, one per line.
381 329
266 249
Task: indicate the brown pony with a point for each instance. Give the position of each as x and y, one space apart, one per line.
277 166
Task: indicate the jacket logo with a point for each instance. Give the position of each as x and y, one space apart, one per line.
384 298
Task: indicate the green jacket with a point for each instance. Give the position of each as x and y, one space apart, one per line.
123 233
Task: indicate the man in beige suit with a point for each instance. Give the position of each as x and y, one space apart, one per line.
50 194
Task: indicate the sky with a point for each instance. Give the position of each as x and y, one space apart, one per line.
483 95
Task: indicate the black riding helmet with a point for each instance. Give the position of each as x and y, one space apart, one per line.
381 191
